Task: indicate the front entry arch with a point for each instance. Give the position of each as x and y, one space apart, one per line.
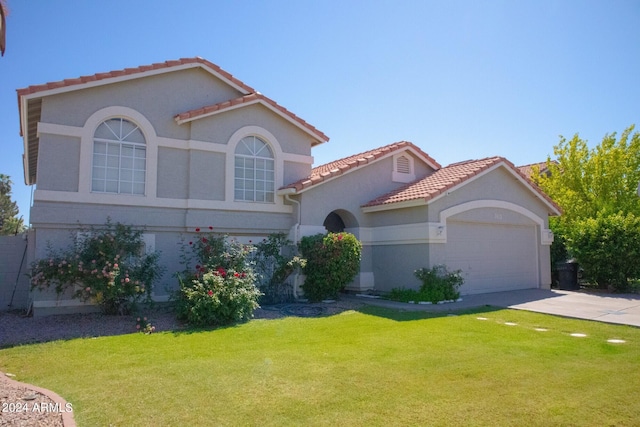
339 221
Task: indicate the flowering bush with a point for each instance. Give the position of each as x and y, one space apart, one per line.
333 260
438 284
274 263
105 266
144 325
217 285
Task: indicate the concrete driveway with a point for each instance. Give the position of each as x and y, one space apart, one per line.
612 308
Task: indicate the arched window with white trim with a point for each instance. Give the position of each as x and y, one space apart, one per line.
119 158
254 171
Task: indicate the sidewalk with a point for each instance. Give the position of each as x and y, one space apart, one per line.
612 308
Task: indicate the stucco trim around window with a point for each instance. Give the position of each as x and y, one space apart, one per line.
86 146
84 195
278 158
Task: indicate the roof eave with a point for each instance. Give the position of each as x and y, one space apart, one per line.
26 141
395 205
553 209
318 138
64 86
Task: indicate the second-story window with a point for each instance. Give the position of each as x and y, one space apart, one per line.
254 171
119 158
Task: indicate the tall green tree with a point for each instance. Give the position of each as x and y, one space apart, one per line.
600 181
597 190
10 224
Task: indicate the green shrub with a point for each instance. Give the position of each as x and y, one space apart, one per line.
217 298
405 295
333 260
607 248
217 285
105 266
274 262
438 284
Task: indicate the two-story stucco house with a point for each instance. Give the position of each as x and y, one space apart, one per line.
183 144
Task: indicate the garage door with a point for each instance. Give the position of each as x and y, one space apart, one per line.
493 257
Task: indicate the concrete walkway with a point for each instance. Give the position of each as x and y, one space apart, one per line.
612 308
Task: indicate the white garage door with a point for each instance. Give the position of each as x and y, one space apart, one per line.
493 257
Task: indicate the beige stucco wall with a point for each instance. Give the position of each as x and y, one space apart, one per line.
351 190
220 127
182 172
58 163
403 240
188 171
173 179
159 98
498 184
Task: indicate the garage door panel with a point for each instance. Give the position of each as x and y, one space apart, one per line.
493 257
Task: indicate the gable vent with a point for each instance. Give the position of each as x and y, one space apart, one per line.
402 165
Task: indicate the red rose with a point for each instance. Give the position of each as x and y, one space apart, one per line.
197 230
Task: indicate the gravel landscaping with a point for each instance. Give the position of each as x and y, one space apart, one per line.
17 329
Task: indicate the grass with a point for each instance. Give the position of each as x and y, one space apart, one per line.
372 367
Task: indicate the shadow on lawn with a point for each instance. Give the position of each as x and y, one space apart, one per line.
17 329
400 315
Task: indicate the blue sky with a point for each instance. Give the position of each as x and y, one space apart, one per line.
461 79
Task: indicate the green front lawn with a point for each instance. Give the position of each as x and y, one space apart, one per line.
372 367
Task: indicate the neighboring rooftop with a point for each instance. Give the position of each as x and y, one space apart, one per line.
542 168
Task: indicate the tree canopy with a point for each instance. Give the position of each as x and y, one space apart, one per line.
587 182
10 224
597 190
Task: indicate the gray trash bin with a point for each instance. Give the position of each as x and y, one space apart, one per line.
568 275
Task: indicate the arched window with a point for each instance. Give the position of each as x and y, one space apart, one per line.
254 171
119 158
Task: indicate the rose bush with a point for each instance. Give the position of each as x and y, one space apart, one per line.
106 266
217 285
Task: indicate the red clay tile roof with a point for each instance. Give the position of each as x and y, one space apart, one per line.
249 99
38 91
132 71
330 170
527 170
250 95
447 178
